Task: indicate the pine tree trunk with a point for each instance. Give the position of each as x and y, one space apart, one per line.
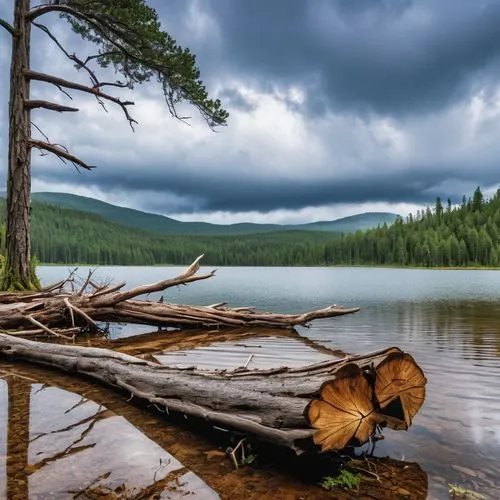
18 271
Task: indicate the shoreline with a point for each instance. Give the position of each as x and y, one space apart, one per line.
376 266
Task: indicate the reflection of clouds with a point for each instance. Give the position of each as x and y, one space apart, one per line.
76 444
3 437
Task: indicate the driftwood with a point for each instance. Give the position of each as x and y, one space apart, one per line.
58 312
329 405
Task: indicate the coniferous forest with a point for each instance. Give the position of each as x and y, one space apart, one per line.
445 235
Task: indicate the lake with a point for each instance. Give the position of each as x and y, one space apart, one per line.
449 321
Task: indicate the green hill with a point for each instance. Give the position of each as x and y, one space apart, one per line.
165 225
351 224
66 236
463 235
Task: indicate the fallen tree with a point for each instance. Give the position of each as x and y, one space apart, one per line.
59 312
329 405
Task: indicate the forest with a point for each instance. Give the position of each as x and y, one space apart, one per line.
446 235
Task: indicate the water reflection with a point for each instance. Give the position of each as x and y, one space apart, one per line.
62 445
448 320
254 353
3 438
456 435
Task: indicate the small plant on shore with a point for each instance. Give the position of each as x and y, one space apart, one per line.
345 479
249 459
457 491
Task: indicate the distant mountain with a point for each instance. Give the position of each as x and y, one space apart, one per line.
351 224
165 225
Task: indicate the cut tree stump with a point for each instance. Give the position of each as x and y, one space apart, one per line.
329 405
57 311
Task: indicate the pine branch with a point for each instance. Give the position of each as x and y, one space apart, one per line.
104 54
143 51
100 25
59 152
54 80
52 106
43 9
7 26
80 64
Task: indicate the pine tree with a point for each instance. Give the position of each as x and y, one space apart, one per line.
129 38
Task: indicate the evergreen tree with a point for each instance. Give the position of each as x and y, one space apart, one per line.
129 38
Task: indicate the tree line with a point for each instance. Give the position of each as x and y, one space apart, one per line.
461 235
65 236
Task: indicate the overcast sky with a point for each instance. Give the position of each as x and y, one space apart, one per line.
337 107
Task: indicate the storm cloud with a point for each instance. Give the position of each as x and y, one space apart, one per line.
341 102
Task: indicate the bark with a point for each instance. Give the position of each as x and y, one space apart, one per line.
50 310
330 404
18 272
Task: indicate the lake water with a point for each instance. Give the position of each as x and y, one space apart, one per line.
449 321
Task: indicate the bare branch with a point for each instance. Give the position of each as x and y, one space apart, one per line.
117 34
79 62
104 54
72 57
7 26
85 283
60 152
52 106
188 276
42 9
99 26
31 319
119 85
43 77
84 315
109 289
41 132
67 94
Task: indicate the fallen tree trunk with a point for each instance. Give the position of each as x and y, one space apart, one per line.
330 404
53 309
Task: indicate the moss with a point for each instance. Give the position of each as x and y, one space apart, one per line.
345 479
11 282
457 491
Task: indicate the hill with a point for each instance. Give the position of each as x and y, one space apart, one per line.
165 225
66 236
351 224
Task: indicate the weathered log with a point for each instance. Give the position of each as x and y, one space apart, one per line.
332 404
55 308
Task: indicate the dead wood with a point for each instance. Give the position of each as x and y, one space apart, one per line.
331 404
56 308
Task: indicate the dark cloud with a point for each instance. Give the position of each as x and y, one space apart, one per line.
394 57
234 99
364 66
237 192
